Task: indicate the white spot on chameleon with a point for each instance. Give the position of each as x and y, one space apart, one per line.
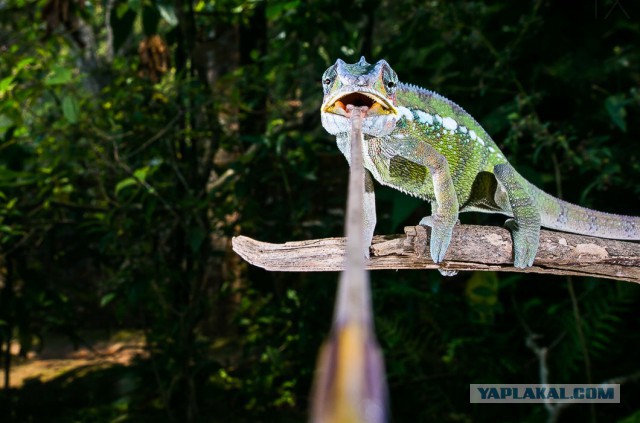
423 117
429 119
405 112
449 123
492 149
472 135
480 141
438 119
462 129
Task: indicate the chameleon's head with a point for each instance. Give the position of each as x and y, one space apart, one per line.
360 84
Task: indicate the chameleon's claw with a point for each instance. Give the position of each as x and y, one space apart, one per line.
525 243
440 236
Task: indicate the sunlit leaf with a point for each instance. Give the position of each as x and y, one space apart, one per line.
24 63
168 13
70 109
59 75
5 85
127 182
106 299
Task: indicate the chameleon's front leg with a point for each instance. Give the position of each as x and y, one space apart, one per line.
525 226
444 210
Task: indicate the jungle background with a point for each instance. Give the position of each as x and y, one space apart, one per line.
138 136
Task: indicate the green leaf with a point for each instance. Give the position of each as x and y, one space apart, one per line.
138 175
5 85
121 10
615 107
141 173
5 124
23 63
70 109
168 13
106 299
58 76
135 5
127 182
278 8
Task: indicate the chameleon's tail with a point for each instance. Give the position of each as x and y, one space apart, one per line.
563 216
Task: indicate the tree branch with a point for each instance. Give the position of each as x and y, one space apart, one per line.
485 248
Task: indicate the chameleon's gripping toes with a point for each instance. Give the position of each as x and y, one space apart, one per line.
427 146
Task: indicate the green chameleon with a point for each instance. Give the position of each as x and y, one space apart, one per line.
423 144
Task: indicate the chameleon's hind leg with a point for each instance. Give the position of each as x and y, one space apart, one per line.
525 225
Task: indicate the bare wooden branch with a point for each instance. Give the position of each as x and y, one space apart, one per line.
486 248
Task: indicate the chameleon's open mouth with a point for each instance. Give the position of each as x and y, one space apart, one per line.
376 104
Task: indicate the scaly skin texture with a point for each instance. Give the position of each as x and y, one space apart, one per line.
427 146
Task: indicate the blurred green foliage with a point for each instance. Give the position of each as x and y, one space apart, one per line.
126 163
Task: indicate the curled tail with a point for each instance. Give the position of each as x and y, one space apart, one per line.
567 217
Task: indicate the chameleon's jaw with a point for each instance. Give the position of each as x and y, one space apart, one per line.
377 105
380 119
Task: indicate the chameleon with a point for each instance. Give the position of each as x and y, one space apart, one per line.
425 145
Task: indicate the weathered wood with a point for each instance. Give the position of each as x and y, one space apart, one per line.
486 248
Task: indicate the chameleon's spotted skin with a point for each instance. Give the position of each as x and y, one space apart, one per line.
427 146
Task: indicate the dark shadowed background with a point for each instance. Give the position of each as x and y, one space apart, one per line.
137 137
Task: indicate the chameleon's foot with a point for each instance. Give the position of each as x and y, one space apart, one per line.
445 272
525 243
525 226
440 236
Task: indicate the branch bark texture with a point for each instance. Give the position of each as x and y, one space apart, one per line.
484 248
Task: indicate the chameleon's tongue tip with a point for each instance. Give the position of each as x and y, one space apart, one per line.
374 110
350 108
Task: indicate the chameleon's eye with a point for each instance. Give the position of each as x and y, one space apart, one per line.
391 84
327 81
